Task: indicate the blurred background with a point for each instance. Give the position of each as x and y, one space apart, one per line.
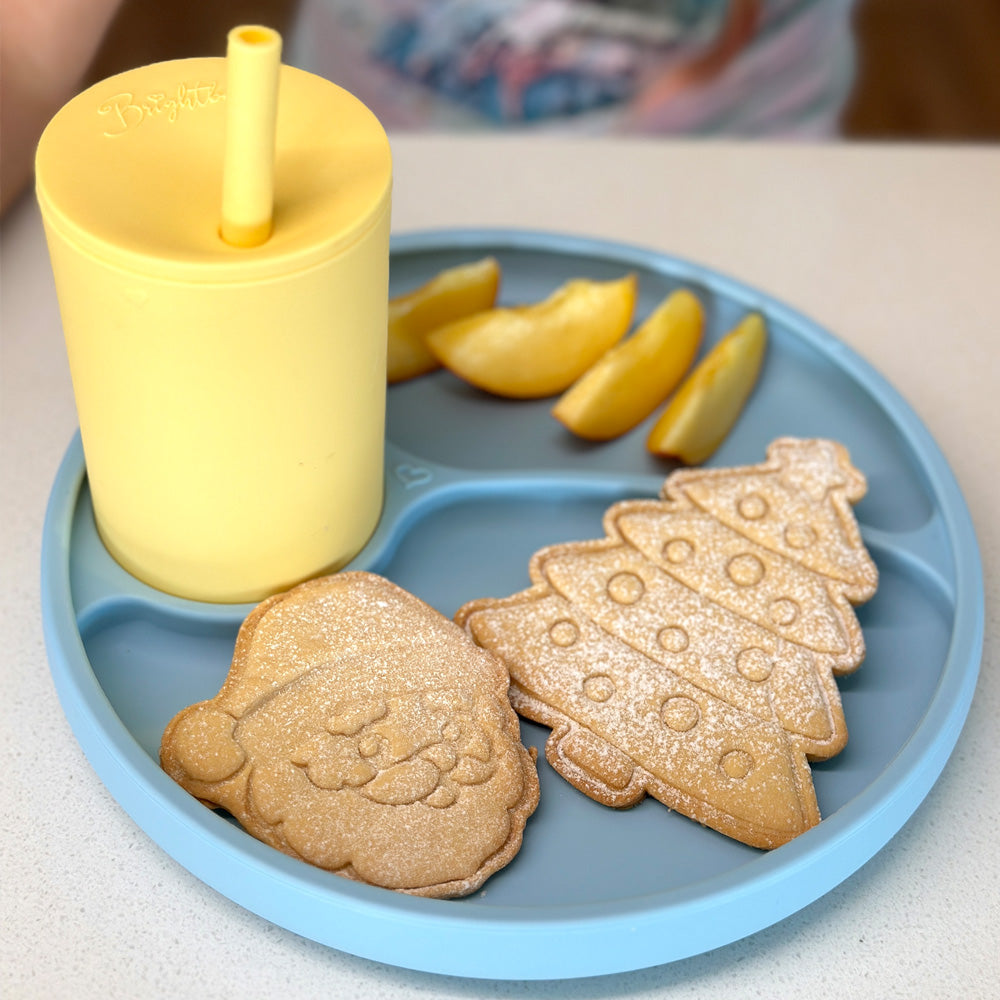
911 70
924 70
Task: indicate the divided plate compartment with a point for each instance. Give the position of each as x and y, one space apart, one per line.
474 486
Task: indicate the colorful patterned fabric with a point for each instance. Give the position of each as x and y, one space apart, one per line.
696 67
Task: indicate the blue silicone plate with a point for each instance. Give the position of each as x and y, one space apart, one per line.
474 486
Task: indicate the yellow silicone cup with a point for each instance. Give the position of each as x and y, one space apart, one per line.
231 400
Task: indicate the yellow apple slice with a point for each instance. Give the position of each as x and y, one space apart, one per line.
710 399
530 351
635 376
454 293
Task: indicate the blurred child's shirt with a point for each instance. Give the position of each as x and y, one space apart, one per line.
683 67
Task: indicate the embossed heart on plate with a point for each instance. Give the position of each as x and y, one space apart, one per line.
412 475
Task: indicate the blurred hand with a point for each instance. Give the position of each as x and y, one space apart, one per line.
45 49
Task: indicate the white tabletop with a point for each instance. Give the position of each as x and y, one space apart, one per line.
895 249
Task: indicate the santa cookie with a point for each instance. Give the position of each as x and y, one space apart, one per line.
691 654
361 731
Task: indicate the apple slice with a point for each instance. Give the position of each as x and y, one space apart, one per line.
454 293
637 375
710 399
530 351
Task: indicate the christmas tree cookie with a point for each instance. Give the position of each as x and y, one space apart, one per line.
692 653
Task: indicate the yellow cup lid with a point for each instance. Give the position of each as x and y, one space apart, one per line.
131 171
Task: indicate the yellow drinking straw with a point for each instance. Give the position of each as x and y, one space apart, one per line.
253 61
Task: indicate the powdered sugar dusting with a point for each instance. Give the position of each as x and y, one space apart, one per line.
691 653
363 732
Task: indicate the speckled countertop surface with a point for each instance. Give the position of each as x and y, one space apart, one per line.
895 249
